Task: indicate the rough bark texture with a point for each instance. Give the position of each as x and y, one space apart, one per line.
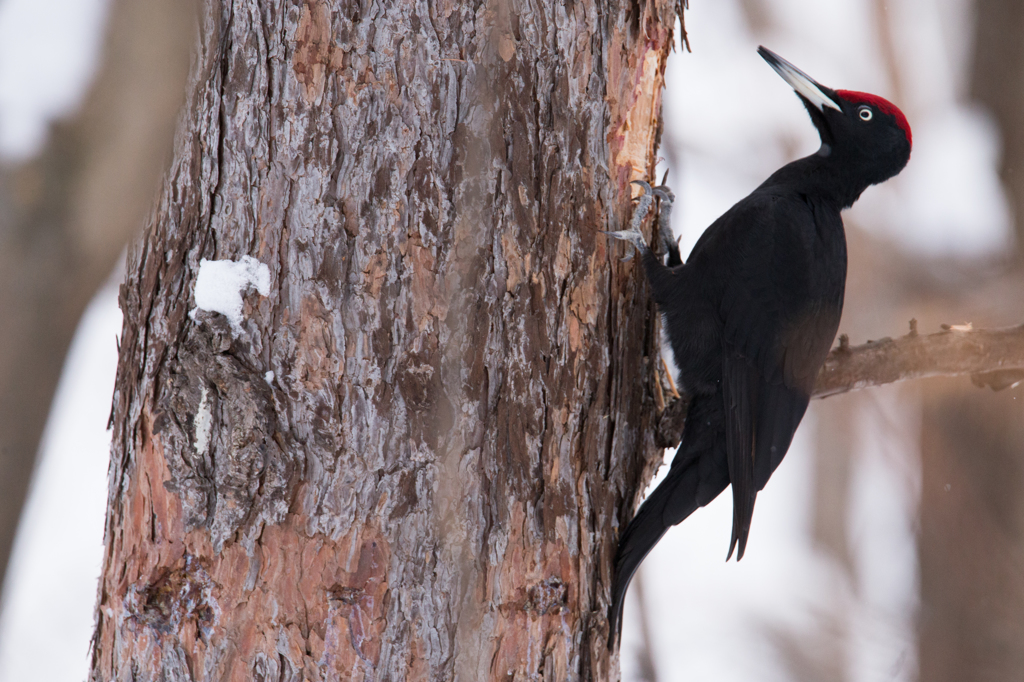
429 485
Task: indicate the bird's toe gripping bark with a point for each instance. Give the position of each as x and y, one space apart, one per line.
633 234
634 237
670 246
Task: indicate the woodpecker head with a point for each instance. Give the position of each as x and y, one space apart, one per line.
867 136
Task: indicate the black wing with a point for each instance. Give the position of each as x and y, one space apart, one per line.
780 310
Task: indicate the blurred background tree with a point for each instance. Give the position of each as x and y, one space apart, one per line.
67 213
971 539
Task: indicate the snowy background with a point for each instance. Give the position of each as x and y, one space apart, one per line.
48 51
729 122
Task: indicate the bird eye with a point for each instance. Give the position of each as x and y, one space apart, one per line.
865 113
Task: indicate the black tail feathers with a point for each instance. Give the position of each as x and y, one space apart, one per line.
693 480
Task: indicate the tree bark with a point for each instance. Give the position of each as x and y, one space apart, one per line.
460 413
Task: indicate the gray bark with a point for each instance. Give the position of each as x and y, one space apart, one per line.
460 415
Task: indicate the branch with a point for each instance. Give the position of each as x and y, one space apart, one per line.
993 357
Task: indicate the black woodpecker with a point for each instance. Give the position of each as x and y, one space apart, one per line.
752 314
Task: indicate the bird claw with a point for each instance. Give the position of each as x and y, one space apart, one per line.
643 204
634 237
666 198
664 193
633 234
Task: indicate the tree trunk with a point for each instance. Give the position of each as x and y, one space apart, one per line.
971 541
972 535
430 483
997 81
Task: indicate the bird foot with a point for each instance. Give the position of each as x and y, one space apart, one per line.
634 237
664 193
643 204
669 245
633 234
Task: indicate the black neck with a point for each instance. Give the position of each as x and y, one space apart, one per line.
823 175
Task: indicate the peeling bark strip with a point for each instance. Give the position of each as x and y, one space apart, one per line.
410 458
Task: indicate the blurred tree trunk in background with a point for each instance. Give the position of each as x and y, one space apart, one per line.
68 214
972 516
997 81
972 535
428 485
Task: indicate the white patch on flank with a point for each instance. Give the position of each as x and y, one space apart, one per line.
221 283
269 377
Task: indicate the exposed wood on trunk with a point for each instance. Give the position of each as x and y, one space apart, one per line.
460 413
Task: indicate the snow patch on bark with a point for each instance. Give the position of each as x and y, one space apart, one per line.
221 283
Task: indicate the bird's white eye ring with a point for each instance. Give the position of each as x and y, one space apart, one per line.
865 113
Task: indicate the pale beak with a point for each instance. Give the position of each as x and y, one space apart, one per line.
805 86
